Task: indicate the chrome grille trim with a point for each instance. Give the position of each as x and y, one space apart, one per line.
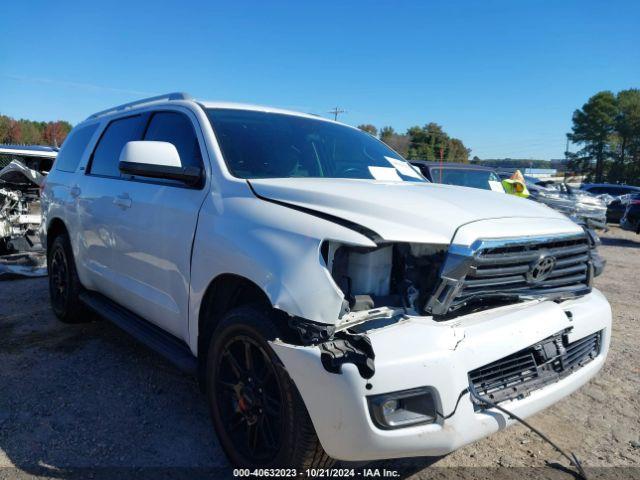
501 269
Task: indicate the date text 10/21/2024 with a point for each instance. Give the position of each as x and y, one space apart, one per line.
317 473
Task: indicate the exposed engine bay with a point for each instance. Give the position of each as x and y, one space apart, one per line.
21 253
427 279
396 276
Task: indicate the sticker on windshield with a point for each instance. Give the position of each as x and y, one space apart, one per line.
385 173
496 186
405 168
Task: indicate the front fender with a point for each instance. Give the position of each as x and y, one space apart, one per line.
275 247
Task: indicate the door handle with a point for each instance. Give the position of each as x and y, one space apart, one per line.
75 191
123 201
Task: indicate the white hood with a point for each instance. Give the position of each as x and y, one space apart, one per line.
403 211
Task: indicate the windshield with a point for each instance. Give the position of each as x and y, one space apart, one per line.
484 179
274 145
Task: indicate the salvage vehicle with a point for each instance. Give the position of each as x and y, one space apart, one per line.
631 218
582 206
22 170
332 302
616 208
615 196
612 189
586 207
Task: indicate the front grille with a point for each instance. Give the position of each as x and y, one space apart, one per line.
516 375
505 268
512 269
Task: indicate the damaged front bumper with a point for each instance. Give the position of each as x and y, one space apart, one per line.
420 353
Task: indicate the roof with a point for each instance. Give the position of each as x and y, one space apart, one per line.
28 150
185 97
261 108
451 165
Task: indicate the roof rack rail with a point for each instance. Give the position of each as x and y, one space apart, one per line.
125 106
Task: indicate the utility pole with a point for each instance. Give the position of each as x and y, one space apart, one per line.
337 111
566 159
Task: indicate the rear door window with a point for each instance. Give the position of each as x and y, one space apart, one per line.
73 148
118 133
177 129
483 179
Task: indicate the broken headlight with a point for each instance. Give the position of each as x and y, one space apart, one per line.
388 275
403 409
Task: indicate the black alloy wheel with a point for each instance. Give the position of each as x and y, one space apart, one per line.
64 284
58 278
249 396
256 409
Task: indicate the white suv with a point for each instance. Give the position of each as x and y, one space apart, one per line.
334 304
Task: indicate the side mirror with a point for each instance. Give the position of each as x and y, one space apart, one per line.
156 160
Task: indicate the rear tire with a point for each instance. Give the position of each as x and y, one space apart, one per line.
64 284
259 417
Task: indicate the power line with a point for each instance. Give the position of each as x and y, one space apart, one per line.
337 111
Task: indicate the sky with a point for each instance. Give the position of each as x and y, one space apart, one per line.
503 76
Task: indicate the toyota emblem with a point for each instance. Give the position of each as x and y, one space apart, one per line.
541 269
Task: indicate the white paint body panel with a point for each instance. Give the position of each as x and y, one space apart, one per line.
140 255
404 211
159 256
420 352
151 153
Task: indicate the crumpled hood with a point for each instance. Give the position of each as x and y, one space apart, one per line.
401 211
18 172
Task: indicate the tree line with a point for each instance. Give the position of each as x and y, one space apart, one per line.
607 130
429 142
520 163
29 132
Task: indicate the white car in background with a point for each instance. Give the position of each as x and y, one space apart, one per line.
333 303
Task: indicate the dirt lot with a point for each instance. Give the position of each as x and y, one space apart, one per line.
78 401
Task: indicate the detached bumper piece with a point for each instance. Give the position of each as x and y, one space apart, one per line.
534 367
345 348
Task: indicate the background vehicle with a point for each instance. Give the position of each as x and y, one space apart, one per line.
615 196
616 208
22 171
609 189
583 207
281 258
464 175
631 218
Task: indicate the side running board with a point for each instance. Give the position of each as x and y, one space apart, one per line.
173 349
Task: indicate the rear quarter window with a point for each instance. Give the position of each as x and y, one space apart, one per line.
73 148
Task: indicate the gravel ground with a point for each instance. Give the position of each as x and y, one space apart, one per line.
83 400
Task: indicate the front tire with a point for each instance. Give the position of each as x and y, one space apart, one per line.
258 414
64 284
